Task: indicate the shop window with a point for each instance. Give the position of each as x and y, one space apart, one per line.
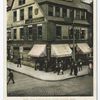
22 14
77 15
64 12
30 12
15 16
77 34
58 32
50 10
70 32
21 33
39 30
21 2
83 15
14 33
82 34
57 11
30 33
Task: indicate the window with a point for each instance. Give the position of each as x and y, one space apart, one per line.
21 33
70 31
15 16
21 2
14 33
58 32
71 13
83 15
39 32
30 12
30 31
82 35
22 14
77 34
77 14
50 10
36 11
57 11
64 12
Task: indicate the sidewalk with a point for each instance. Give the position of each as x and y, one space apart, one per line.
48 76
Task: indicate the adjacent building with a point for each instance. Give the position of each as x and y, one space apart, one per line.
48 28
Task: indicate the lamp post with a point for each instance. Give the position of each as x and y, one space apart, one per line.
74 58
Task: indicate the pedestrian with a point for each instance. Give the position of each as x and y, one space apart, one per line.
75 69
56 67
71 67
80 64
59 67
19 62
11 77
90 68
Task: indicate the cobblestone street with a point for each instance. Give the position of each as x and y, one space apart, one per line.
28 86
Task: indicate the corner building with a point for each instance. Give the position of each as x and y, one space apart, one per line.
49 29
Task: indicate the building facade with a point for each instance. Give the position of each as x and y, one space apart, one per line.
48 22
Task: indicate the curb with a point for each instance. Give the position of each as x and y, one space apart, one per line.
49 80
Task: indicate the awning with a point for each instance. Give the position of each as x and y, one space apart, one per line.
60 50
84 47
38 50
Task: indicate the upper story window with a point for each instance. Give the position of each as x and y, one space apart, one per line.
58 32
64 12
21 33
70 32
30 12
15 16
77 14
39 30
21 2
71 13
36 11
14 33
77 32
50 10
57 11
22 14
83 15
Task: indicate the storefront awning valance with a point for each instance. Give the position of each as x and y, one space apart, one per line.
38 50
60 50
84 47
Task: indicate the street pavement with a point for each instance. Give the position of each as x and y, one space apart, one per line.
48 76
29 86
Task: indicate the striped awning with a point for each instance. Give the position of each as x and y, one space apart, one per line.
38 50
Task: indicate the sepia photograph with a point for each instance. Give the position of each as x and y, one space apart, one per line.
50 48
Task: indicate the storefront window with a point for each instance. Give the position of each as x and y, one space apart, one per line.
70 33
22 14
82 34
15 16
21 2
50 10
57 11
21 33
77 34
30 33
39 32
58 32
14 33
30 12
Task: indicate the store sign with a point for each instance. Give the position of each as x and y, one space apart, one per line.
34 20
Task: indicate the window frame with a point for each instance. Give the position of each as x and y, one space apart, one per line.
50 7
21 2
30 14
21 14
58 32
14 16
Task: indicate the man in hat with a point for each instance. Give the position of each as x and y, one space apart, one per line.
11 77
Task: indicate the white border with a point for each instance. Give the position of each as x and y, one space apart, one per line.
2 46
